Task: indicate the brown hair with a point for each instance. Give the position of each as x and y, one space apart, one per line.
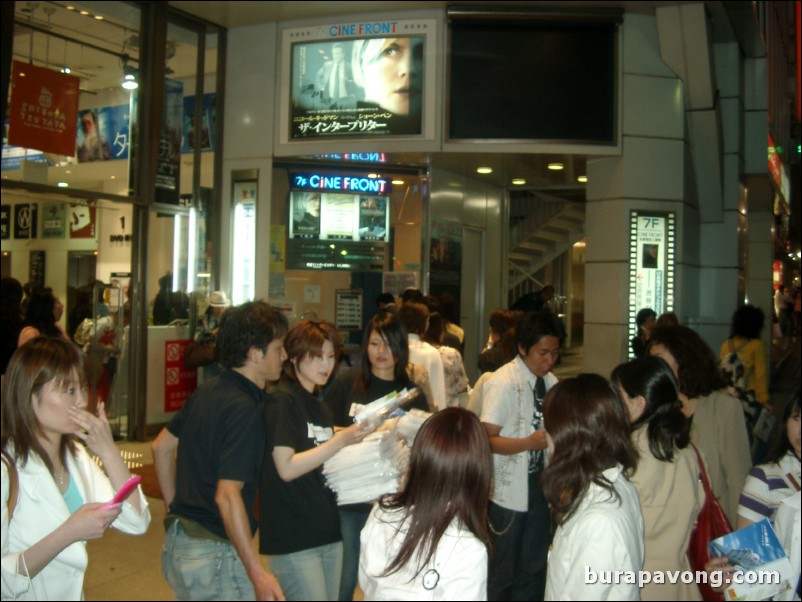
697 367
34 365
450 471
414 316
589 426
306 340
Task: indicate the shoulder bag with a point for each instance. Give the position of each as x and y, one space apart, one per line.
710 524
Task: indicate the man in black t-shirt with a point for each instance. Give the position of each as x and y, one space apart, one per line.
210 486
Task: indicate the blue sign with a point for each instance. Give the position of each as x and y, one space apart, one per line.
340 183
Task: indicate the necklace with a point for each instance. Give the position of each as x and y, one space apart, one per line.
61 477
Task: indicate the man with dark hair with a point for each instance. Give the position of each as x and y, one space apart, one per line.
210 487
512 412
534 301
386 302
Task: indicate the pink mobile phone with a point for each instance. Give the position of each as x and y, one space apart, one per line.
126 490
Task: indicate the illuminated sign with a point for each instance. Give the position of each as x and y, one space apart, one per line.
339 183
651 263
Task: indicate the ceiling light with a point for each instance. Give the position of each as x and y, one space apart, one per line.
373 176
65 70
518 181
99 17
63 185
556 166
484 170
129 77
84 12
398 182
582 179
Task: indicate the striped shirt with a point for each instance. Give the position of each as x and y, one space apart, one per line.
767 485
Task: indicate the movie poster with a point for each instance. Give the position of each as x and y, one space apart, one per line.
357 87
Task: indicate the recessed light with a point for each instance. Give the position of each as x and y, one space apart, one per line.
113 177
373 176
63 185
398 182
518 182
556 166
582 179
84 12
484 170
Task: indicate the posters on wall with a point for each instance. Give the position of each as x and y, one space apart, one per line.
397 282
43 109
82 221
25 218
207 124
53 220
5 222
348 309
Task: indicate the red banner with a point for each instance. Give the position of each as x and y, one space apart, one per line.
179 382
43 111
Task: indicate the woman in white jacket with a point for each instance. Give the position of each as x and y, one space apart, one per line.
61 493
600 533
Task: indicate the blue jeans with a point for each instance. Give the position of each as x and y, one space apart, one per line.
203 569
312 574
351 524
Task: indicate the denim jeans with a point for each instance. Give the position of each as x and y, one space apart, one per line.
203 569
312 574
351 524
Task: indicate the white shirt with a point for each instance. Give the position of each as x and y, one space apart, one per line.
425 355
604 535
457 570
508 401
39 511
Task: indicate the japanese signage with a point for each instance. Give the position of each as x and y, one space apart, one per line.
348 308
43 109
354 83
651 254
179 381
36 268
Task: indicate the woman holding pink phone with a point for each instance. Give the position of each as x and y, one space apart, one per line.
54 497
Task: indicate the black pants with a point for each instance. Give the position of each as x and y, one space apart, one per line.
517 564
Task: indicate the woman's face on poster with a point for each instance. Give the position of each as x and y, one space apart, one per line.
393 75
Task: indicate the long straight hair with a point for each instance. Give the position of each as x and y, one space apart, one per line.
450 472
34 365
652 378
589 426
392 330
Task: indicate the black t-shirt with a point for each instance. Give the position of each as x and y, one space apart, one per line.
343 392
221 435
301 514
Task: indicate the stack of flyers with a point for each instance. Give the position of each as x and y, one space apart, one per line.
380 409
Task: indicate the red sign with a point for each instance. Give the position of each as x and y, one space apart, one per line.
82 221
179 382
43 112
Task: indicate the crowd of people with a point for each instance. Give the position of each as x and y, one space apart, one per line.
515 488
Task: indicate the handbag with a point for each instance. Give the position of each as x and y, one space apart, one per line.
200 354
710 524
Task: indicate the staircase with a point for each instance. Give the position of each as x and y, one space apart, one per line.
550 228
